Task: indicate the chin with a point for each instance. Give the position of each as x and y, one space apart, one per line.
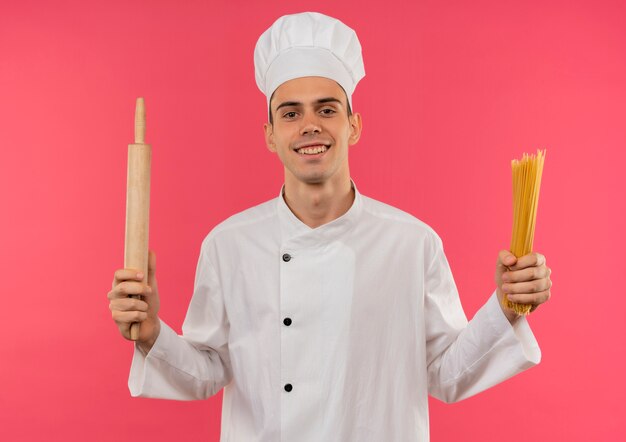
316 178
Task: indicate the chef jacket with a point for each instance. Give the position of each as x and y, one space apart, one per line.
333 333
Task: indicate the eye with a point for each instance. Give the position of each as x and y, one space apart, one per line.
327 111
291 114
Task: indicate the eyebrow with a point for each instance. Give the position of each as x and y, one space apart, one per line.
320 101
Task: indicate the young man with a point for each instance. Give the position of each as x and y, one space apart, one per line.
325 315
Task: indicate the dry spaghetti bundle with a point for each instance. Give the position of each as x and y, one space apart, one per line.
526 183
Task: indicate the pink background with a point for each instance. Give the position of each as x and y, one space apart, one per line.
453 92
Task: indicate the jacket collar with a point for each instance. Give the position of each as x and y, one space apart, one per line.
298 233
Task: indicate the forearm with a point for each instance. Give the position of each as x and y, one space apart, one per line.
146 345
175 369
486 352
510 315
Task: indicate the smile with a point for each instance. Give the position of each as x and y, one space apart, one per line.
313 150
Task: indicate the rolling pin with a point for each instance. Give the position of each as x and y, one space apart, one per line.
138 203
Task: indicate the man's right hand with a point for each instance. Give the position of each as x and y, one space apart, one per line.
126 310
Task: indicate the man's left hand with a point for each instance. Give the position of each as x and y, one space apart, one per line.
525 280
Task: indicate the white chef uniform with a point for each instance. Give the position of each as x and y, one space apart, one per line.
336 333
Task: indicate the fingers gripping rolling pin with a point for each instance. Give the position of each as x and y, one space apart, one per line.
138 203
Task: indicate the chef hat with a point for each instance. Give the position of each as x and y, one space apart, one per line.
304 45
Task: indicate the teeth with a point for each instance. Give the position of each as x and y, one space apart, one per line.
311 150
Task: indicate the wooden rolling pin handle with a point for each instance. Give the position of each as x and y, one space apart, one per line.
138 203
134 328
140 121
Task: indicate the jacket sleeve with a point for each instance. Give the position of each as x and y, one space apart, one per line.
195 365
466 358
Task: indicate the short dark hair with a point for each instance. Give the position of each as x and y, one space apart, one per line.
272 117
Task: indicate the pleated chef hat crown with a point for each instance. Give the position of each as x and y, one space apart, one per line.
308 44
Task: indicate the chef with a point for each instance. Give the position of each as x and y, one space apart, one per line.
323 314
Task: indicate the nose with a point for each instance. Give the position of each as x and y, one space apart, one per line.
310 124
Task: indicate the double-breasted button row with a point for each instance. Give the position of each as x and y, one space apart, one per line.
287 321
288 387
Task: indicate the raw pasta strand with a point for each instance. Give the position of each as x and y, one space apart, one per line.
527 174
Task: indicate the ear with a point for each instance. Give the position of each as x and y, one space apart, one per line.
356 126
269 137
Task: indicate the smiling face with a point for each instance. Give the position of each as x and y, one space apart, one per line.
311 130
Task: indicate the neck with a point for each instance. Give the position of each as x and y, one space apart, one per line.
319 203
